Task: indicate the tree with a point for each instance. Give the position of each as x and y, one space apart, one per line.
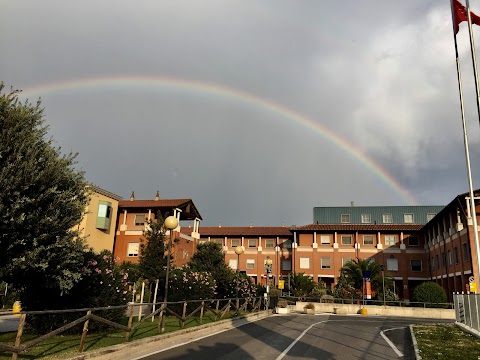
209 258
42 198
353 273
153 259
301 285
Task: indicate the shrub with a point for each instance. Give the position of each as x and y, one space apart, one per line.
389 296
282 303
430 292
102 284
344 290
185 284
309 306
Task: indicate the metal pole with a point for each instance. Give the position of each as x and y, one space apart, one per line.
238 270
166 280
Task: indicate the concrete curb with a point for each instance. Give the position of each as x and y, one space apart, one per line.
415 344
468 329
223 324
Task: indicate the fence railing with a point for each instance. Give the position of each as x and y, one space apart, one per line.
218 308
467 308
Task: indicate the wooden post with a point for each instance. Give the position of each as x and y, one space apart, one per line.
218 305
141 301
84 333
154 299
182 323
160 318
201 312
19 334
130 320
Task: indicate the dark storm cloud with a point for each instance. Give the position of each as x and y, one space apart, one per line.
379 74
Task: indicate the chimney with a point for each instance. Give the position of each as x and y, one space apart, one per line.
220 225
251 225
132 197
157 196
352 203
283 224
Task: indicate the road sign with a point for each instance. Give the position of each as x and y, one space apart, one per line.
281 284
473 287
471 279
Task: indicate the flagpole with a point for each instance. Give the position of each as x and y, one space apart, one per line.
465 136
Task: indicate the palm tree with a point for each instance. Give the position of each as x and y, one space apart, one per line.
353 272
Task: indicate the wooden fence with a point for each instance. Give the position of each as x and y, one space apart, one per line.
220 308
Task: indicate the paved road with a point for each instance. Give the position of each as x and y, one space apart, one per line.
303 337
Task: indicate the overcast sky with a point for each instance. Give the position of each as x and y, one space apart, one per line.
211 100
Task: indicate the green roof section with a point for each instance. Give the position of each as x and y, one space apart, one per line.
375 214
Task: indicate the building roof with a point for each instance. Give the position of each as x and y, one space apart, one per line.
104 192
333 214
358 227
244 231
189 211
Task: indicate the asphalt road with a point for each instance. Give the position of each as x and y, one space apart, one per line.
301 336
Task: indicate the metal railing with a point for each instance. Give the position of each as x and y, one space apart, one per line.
467 308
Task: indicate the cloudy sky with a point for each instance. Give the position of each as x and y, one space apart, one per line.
257 110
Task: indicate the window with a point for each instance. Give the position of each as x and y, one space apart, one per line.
324 239
346 261
304 263
367 239
392 264
345 218
104 215
233 263
139 219
466 255
286 264
252 243
287 244
346 240
449 258
408 218
217 241
325 263
416 265
390 240
443 259
455 255
269 243
437 262
235 242
432 264
366 218
413 241
132 250
430 217
387 218
250 264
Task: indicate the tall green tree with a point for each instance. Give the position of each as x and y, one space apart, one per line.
153 256
353 273
209 257
42 198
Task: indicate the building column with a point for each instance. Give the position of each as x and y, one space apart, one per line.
259 244
402 245
195 234
379 243
335 243
123 227
314 244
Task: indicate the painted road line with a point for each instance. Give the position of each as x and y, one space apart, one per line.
392 345
282 355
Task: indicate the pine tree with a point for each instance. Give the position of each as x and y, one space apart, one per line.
42 198
153 259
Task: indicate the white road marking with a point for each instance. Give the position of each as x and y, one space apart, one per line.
282 355
398 352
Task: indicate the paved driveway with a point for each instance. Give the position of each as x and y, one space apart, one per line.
298 336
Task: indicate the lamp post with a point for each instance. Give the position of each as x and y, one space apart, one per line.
268 270
170 223
383 283
238 251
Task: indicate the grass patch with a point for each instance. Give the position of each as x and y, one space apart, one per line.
446 341
64 346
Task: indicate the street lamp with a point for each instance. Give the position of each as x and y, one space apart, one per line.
238 251
170 223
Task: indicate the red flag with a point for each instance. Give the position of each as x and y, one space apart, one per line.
460 14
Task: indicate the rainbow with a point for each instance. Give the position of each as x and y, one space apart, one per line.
148 82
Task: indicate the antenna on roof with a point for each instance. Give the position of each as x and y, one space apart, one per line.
352 203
